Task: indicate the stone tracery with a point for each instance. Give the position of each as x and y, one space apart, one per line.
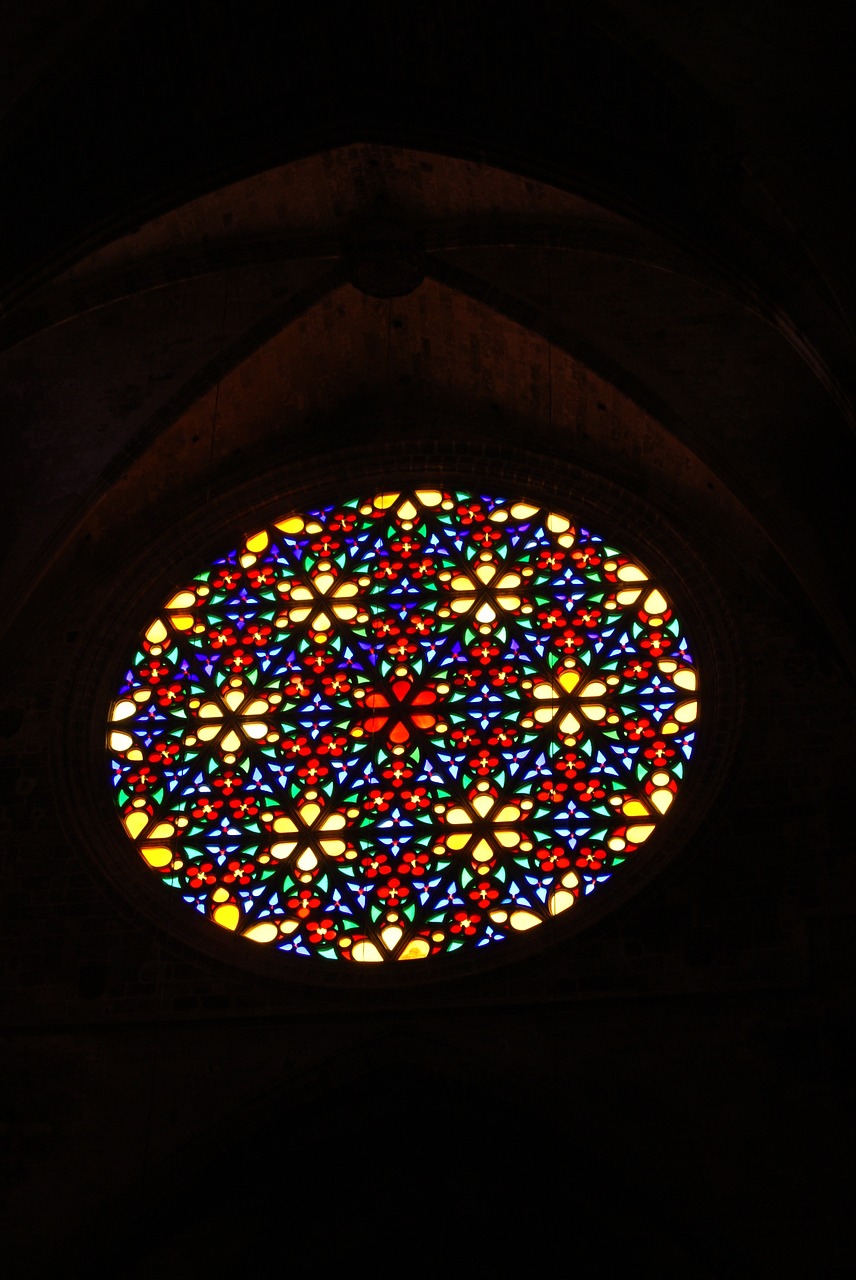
404 726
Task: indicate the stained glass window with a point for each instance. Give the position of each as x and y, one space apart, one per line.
403 726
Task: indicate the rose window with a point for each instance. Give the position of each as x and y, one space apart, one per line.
403 727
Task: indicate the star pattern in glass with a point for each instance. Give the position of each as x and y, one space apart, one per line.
403 726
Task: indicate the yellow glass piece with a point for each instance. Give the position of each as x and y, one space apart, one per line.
301 593
556 523
333 848
257 707
594 689
634 809
135 823
522 511
293 524
257 542
661 800
486 573
157 855
308 813
686 679
121 741
508 813
288 926
570 879
284 824
253 729
334 822
391 936
594 711
629 595
182 621
407 511
230 741
346 612
220 895
162 830
122 710
366 953
655 602
210 711
543 691
416 949
307 860
207 732
508 839
181 600
227 916
560 901
482 851
459 817
569 679
523 920
157 632
458 840
321 622
429 497
499 517
483 805
384 501
631 573
686 712
545 714
499 917
266 931
639 833
283 848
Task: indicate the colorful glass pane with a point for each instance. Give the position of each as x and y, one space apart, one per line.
403 726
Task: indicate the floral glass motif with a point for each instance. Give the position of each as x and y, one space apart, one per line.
403 726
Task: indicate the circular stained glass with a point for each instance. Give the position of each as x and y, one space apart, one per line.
404 726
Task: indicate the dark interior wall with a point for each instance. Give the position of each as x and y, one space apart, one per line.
613 260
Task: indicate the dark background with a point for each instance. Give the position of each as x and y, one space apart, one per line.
602 246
